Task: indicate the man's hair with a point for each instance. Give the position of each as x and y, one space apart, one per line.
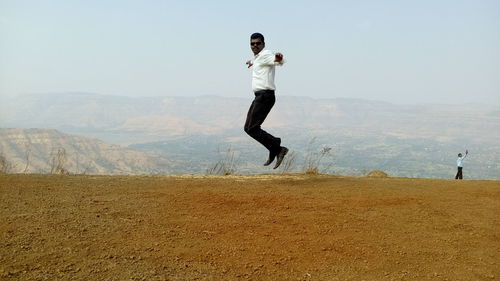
257 35
460 155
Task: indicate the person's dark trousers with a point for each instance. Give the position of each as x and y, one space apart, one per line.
260 108
459 173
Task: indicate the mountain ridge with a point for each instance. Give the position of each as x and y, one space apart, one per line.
191 132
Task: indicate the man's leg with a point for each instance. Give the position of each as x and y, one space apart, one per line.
260 108
459 173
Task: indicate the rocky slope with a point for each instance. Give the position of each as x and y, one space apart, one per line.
43 150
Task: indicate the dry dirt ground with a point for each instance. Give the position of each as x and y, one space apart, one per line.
260 227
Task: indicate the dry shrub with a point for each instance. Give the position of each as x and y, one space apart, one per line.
227 164
5 165
288 163
313 160
58 162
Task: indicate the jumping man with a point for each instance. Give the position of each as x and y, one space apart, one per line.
263 64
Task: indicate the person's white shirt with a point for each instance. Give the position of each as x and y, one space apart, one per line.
263 71
460 161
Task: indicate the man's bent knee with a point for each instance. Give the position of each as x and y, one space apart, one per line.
251 130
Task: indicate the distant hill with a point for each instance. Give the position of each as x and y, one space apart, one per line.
127 120
194 132
35 150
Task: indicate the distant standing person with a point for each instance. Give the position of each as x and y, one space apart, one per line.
460 165
263 64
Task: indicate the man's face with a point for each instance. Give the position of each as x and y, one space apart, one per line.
257 45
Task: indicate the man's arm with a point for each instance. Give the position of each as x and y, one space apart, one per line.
272 59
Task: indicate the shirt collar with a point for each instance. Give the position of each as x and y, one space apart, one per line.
260 52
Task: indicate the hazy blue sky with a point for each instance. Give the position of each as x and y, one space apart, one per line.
421 51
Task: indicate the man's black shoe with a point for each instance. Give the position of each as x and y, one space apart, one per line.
281 155
272 156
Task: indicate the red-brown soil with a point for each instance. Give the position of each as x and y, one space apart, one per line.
261 227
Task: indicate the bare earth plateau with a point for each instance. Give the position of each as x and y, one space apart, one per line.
254 227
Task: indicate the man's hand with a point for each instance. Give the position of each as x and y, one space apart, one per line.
249 63
466 152
278 58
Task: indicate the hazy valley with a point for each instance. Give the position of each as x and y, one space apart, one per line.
190 134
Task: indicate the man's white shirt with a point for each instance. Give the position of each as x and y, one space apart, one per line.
263 71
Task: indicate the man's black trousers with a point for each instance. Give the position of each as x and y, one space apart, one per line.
459 174
260 108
